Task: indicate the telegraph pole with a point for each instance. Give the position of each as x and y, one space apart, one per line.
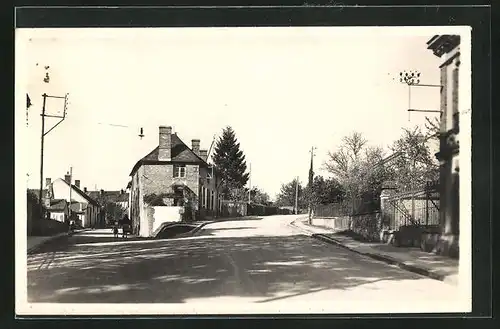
250 185
412 79
44 115
41 154
311 178
296 195
70 181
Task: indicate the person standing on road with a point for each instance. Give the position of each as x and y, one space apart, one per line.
71 227
115 230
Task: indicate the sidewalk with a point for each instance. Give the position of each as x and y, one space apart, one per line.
411 259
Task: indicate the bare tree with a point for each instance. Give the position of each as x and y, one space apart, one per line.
433 127
354 144
352 166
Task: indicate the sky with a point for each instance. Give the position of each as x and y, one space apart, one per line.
283 90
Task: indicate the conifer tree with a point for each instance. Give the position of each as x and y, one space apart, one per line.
230 162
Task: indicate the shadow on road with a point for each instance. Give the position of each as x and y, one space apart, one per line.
213 231
174 271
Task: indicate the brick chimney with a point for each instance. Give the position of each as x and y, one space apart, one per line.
67 178
77 183
165 143
195 146
47 181
204 154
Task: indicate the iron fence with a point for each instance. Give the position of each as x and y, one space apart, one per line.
419 207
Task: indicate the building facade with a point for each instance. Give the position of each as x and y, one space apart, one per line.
82 207
447 47
172 175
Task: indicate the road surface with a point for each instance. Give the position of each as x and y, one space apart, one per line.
257 261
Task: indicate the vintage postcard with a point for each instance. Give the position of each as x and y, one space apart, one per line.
251 170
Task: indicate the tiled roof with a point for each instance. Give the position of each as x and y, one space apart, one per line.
75 188
110 196
180 153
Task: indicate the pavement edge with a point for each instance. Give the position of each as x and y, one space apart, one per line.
411 268
387 259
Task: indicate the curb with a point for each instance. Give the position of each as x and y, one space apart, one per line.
386 259
293 225
199 227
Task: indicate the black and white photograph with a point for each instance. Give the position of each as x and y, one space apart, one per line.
242 170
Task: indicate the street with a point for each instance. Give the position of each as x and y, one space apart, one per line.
262 260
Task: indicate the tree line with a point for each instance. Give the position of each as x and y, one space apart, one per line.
357 171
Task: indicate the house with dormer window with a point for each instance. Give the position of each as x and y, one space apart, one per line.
172 175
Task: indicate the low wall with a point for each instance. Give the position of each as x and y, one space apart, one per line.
337 223
48 227
166 214
369 225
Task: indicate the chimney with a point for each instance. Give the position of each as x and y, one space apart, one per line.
85 189
165 143
121 191
195 146
102 192
67 178
204 154
47 181
77 183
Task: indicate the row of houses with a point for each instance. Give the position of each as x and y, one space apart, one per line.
62 199
174 180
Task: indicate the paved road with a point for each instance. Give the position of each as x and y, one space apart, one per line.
262 261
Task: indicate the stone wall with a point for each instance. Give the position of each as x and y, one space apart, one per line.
159 178
367 225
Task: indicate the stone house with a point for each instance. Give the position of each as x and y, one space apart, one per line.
175 178
448 48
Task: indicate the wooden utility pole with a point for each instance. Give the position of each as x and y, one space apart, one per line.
41 155
70 181
45 96
250 185
296 195
310 183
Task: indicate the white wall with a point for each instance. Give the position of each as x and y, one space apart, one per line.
165 215
61 191
57 216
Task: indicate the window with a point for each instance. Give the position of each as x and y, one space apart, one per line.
203 204
212 201
180 171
